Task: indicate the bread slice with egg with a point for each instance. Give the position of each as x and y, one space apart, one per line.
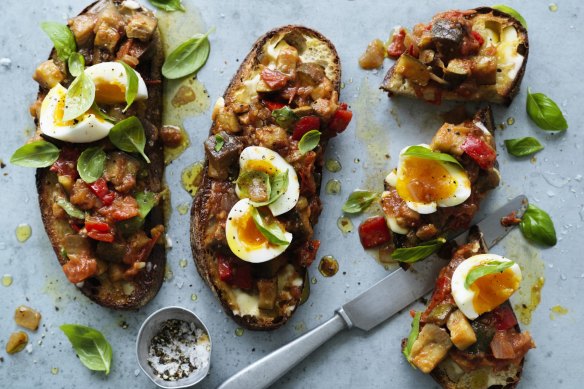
131 293
486 76
284 270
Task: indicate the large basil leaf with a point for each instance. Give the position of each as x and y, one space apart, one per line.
359 200
80 97
132 86
188 57
512 12
522 147
414 332
309 141
91 164
128 135
62 39
426 153
414 254
545 112
537 226
168 5
35 154
92 348
272 232
485 269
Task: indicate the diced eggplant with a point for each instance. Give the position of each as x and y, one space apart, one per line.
121 170
226 120
107 27
457 71
141 26
430 348
461 332
440 314
484 69
76 245
427 56
82 27
412 69
447 35
268 291
220 160
48 74
111 252
272 137
82 196
287 58
310 74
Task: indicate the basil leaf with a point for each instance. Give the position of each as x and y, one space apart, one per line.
359 200
132 86
284 117
62 39
414 332
168 5
279 185
35 154
485 269
80 97
71 210
512 12
128 135
272 231
146 201
426 153
545 112
91 164
76 64
92 348
250 178
309 141
414 254
219 142
522 147
188 57
537 226
99 112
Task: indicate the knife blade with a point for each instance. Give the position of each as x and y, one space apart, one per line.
375 305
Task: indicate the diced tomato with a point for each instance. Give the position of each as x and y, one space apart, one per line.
224 269
504 318
101 236
307 252
397 46
100 189
304 125
122 208
272 105
478 37
341 119
274 78
242 277
96 224
374 232
79 268
66 165
482 153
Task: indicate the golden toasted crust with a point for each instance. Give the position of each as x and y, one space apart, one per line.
204 258
143 287
393 84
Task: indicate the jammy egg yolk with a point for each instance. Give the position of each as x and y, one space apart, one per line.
492 290
248 233
107 92
424 181
260 165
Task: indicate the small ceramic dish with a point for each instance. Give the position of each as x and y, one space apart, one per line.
151 326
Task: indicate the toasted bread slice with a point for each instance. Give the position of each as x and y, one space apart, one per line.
129 292
287 270
435 71
481 369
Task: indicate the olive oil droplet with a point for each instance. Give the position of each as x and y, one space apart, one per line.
345 224
168 273
510 121
194 297
7 280
333 187
239 331
305 289
23 232
313 280
553 7
328 266
183 208
183 263
55 371
172 153
333 165
191 178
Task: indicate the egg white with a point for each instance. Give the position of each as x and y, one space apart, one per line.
114 73
391 220
290 197
86 128
250 254
464 297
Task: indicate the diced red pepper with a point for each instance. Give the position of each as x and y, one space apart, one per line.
66 165
482 153
374 232
242 277
101 236
224 269
74 225
305 124
478 37
274 78
397 46
100 189
504 318
341 119
96 224
272 105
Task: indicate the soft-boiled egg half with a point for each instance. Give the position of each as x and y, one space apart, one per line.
245 240
111 82
487 292
426 184
261 159
88 127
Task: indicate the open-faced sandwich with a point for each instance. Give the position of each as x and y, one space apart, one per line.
253 216
474 55
99 152
468 336
435 191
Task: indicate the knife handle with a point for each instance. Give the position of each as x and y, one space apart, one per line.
267 370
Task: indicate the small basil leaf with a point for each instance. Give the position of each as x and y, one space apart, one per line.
414 332
36 154
284 117
522 147
545 112
359 200
537 226
512 12
309 141
128 135
426 153
92 348
71 210
80 97
250 179
91 164
132 86
414 254
99 112
188 57
168 5
485 269
219 142
146 201
279 185
272 232
62 38
76 64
